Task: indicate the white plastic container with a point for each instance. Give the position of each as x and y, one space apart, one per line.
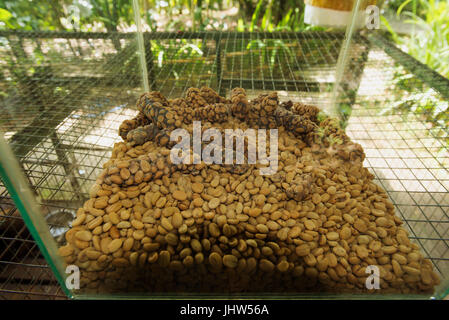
329 17
335 13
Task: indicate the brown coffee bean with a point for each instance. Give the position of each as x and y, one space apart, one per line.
166 224
171 239
125 174
83 235
214 230
128 244
262 228
177 220
303 250
283 266
309 224
230 261
266 265
255 212
95 223
331 190
114 245
316 198
197 187
360 225
164 258
180 195
214 203
160 203
215 260
123 225
399 258
66 250
332 236
362 252
339 251
345 233
196 245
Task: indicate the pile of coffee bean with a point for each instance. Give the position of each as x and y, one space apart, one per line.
316 225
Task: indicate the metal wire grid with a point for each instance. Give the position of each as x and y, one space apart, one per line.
408 156
24 274
259 61
406 167
61 121
61 166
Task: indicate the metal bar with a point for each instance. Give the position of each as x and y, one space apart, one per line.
68 168
157 35
28 265
150 62
218 61
271 84
24 141
102 81
351 77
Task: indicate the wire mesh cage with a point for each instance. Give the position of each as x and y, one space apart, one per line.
67 94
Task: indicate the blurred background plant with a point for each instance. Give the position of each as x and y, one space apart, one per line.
166 15
36 15
427 40
418 6
423 102
169 15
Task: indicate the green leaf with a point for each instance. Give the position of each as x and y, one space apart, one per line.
401 7
389 28
255 16
240 25
5 15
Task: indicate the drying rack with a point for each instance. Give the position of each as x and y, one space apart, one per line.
64 94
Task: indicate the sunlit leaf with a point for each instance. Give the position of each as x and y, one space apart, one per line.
5 15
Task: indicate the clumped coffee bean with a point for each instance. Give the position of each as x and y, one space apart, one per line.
314 225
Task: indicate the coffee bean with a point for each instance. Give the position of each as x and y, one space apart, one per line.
230 261
214 203
197 187
180 195
114 245
303 250
266 265
332 236
83 235
215 260
66 250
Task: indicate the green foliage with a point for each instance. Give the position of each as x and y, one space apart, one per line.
254 15
5 15
272 52
174 53
32 15
55 14
111 13
411 95
264 19
344 111
416 6
270 15
430 42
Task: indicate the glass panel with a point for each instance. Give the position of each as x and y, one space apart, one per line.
94 177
